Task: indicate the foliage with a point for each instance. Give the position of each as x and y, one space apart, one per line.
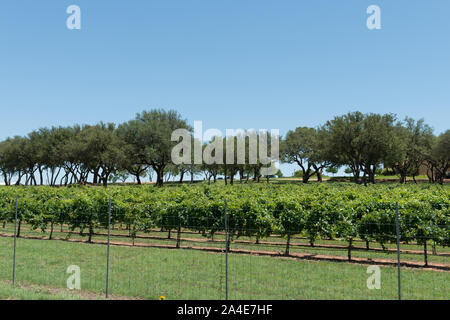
340 211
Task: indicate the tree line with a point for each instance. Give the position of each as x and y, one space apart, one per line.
364 143
101 153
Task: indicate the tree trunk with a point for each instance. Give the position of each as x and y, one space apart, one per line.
350 249
181 176
286 252
425 256
256 174
133 235
18 229
41 176
91 231
19 178
51 231
319 175
95 179
357 177
372 176
306 172
178 236
430 178
159 177
356 174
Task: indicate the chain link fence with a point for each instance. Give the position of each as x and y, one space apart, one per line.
226 258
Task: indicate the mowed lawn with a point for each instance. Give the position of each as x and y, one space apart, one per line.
149 273
33 292
275 244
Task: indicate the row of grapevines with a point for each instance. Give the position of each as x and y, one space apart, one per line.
333 211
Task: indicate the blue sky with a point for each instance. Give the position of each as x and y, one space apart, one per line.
232 64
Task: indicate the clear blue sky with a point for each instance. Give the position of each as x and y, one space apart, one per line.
233 64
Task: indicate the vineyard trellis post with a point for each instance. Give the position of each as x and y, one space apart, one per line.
15 241
398 251
109 241
226 249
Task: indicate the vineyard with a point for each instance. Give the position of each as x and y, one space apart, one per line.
323 225
331 212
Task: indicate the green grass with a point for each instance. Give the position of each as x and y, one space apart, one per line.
395 177
392 255
33 292
188 274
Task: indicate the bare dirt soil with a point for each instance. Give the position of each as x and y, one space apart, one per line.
303 256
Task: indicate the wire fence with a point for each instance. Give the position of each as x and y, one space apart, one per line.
225 258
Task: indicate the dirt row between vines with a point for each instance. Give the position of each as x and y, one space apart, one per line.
277 243
274 243
303 256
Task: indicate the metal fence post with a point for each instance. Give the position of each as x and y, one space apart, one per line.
109 238
226 251
15 240
398 251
